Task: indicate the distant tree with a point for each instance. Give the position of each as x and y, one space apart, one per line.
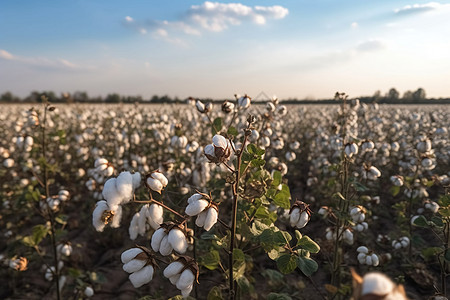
419 94
9 97
408 95
154 99
393 94
112 98
377 96
79 96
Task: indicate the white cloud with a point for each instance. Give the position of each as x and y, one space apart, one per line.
420 8
212 17
370 45
129 19
354 25
6 55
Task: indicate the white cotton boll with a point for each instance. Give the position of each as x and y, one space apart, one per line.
196 207
173 280
124 185
142 221
186 279
8 163
157 237
99 162
109 171
134 265
165 248
155 184
63 195
211 218
194 198
173 269
295 216
200 221
348 236
117 217
130 254
303 220
136 181
161 178
185 292
89 291
100 207
134 226
178 241
362 249
111 194
377 284
142 276
290 156
66 250
362 258
62 282
375 260
397 245
369 260
155 215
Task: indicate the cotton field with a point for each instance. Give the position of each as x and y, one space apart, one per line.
234 200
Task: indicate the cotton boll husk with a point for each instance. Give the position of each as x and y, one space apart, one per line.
303 220
155 215
130 254
211 218
165 248
100 207
186 279
196 207
142 276
133 230
111 194
177 240
124 185
136 180
173 269
134 265
157 237
160 177
200 221
117 217
155 184
295 216
185 292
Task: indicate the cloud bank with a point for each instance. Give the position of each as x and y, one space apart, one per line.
420 8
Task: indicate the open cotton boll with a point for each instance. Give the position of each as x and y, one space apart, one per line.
134 265
186 279
165 248
376 283
155 184
161 178
173 280
303 220
124 185
173 269
194 198
177 240
130 254
136 180
155 215
142 276
133 230
142 221
97 221
196 207
295 216
185 292
157 237
200 221
211 218
111 194
117 217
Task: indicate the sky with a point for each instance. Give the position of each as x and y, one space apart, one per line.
291 49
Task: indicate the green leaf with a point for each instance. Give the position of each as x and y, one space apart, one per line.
232 131
307 265
437 222
217 125
287 263
215 294
394 190
444 211
238 263
271 239
210 260
39 232
258 228
244 285
28 241
276 296
276 178
257 162
421 221
282 198
298 236
274 253
308 244
430 253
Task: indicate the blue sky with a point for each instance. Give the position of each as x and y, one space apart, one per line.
302 49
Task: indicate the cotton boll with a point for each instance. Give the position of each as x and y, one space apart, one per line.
161 178
375 260
124 185
173 280
295 217
177 240
142 221
369 260
142 276
155 184
303 220
89 291
155 215
111 194
211 218
200 221
133 230
130 254
136 181
173 269
97 221
194 198
186 279
362 249
117 217
196 207
134 265
157 237
185 292
165 248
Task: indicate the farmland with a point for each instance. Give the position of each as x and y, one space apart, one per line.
358 175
